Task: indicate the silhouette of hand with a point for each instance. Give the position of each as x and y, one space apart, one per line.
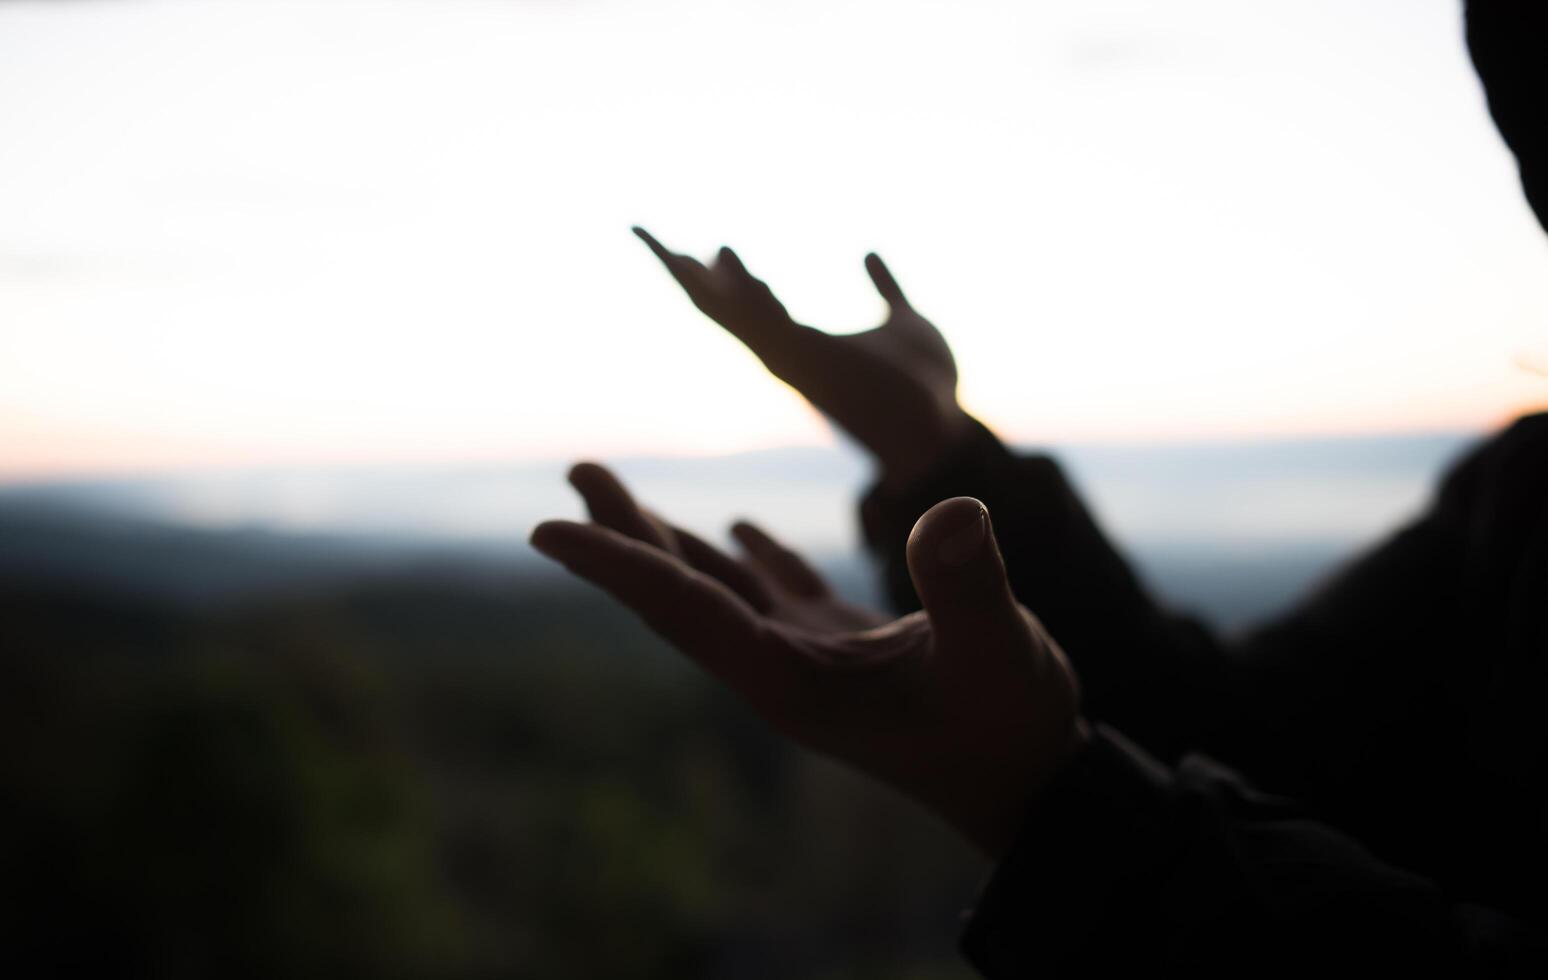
775 581
893 388
968 706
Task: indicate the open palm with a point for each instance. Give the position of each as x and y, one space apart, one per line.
968 706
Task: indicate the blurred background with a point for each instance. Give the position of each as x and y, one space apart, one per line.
305 308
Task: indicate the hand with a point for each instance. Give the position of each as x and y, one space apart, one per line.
968 706
892 388
775 581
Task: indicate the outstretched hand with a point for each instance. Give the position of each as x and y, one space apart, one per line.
968 706
893 388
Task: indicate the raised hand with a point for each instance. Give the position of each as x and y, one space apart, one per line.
967 706
893 388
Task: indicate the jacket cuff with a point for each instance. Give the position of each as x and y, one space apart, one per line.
1096 849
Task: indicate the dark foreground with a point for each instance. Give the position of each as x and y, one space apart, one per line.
429 777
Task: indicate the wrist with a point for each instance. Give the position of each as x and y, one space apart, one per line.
989 798
991 813
927 446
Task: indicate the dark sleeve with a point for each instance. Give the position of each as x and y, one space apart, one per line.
1062 566
1414 673
1129 868
1351 663
1401 698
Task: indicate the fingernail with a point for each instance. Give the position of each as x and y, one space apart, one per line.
962 545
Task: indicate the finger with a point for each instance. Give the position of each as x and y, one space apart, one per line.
761 320
758 299
727 570
960 577
666 255
728 260
689 272
733 262
610 504
786 567
690 610
885 284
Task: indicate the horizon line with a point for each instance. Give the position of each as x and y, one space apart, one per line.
70 474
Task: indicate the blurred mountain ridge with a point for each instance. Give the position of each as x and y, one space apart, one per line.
1231 529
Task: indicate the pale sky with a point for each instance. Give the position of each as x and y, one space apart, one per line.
254 231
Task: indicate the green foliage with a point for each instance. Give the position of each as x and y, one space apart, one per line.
423 778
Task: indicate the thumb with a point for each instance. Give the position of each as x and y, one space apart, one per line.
960 577
881 278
